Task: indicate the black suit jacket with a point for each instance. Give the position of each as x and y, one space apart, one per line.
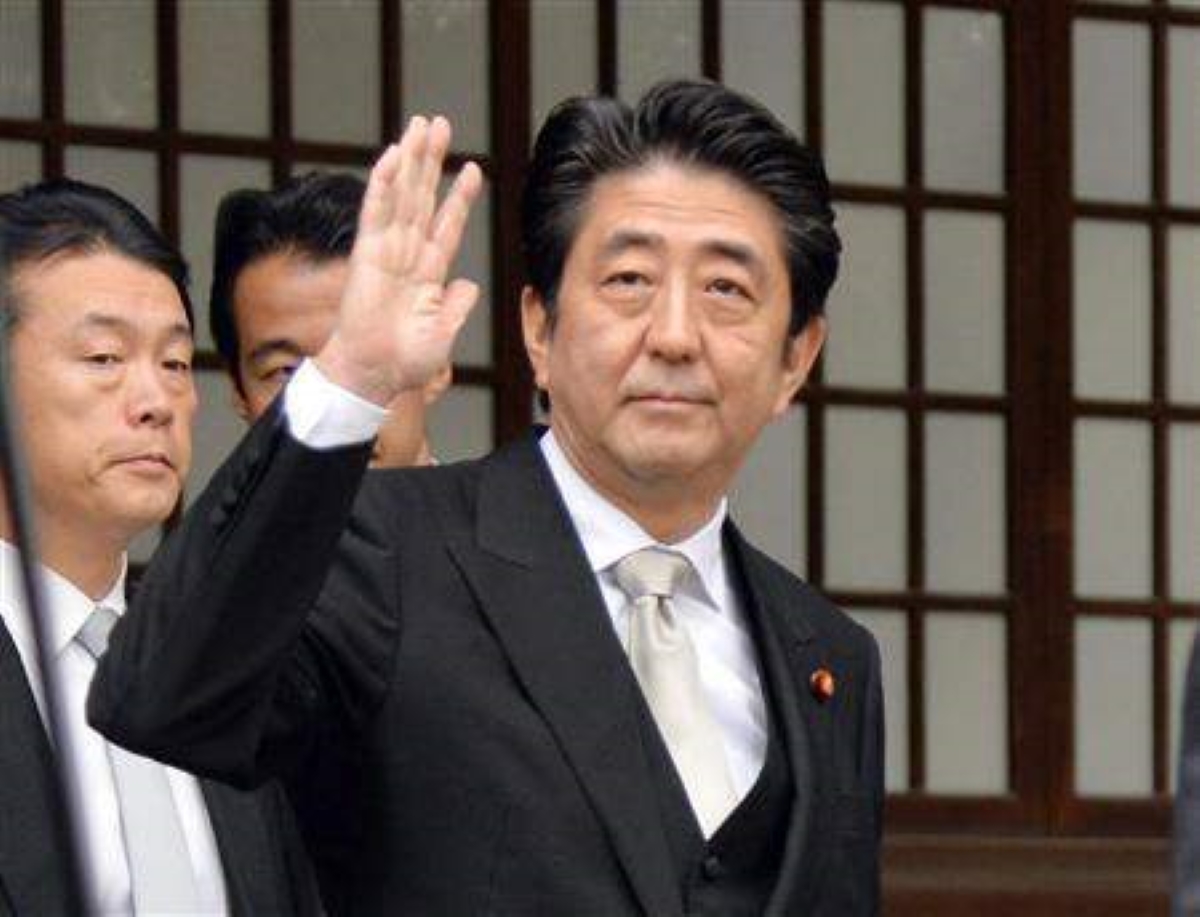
266 871
436 679
1185 898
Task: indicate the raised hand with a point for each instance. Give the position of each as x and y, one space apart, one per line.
399 317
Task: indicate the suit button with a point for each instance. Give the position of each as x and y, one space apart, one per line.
712 867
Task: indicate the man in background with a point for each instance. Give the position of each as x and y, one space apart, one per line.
94 308
279 268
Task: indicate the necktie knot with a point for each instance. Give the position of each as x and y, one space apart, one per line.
650 571
93 635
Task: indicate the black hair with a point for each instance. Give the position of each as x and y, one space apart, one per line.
694 123
66 217
313 216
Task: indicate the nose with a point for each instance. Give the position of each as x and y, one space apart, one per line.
148 395
673 334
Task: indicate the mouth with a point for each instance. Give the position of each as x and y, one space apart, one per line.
152 462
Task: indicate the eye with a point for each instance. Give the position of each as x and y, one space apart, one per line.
626 279
182 367
279 374
723 286
102 359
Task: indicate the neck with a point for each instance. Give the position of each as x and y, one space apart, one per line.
91 563
668 509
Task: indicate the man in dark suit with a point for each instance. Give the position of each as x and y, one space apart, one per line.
280 261
96 315
557 681
1185 898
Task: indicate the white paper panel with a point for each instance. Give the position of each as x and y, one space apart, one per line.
866 308
474 345
1183 336
656 40
1183 511
864 91
1111 319
460 424
1180 635
965 508
20 59
1111 82
966 703
964 100
335 70
762 53
1112 509
203 181
20 164
1114 722
224 72
769 496
562 52
964 302
445 66
110 60
218 429
890 629
866 497
133 174
1183 94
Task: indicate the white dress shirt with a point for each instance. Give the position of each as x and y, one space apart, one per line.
322 414
107 871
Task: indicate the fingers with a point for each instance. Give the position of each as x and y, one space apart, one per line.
458 301
426 190
377 201
449 224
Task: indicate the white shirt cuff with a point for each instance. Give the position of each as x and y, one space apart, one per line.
323 415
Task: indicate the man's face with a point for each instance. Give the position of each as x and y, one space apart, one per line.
285 307
101 370
669 351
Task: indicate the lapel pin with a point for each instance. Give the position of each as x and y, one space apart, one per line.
822 684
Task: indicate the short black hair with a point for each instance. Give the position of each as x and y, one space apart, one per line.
65 217
313 216
694 123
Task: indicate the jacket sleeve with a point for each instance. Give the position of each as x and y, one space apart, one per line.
236 659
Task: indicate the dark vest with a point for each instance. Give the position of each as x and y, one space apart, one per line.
735 871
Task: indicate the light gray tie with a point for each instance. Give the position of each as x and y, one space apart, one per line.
160 869
664 660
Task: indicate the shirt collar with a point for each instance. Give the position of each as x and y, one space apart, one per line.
608 534
66 607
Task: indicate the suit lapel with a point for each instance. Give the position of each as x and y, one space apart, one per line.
32 835
534 584
789 652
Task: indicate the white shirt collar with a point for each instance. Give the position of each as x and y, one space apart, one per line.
66 606
608 534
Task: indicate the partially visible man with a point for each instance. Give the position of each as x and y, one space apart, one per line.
1185 898
95 310
279 268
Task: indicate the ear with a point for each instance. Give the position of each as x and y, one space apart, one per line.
536 327
802 352
436 387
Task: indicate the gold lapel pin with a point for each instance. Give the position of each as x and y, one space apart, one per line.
822 684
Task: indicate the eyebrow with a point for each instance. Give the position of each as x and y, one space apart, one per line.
743 255
273 346
122 326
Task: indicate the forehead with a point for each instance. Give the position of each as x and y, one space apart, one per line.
73 289
689 207
284 290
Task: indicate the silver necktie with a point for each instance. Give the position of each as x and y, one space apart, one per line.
664 661
160 869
